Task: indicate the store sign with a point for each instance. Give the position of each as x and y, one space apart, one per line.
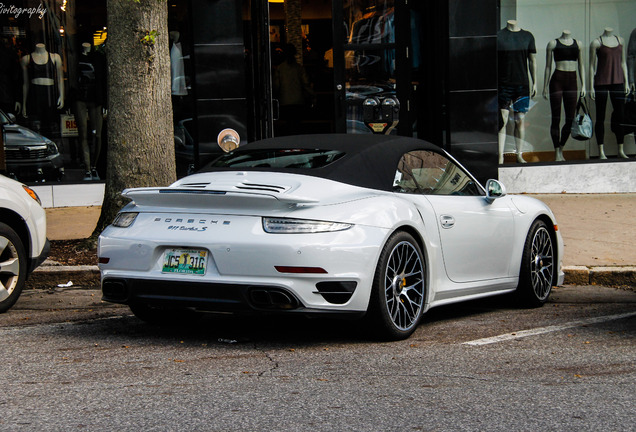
68 125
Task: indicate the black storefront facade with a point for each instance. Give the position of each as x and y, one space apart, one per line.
439 61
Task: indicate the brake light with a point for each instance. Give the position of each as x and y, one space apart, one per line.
295 269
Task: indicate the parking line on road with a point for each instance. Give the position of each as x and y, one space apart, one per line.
548 329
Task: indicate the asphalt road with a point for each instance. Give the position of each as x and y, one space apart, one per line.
68 362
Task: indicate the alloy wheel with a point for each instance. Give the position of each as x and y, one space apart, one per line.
541 263
9 268
404 285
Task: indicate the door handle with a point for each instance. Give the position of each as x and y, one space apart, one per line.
447 221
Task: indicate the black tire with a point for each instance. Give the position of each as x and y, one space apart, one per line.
162 316
399 288
537 266
13 267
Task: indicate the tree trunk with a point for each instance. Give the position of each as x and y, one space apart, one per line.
293 21
140 129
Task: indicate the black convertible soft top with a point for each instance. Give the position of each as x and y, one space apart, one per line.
369 160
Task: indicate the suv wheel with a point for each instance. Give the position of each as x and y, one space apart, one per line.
13 267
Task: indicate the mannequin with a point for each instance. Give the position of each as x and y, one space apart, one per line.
177 67
608 77
562 87
631 60
89 99
42 86
517 58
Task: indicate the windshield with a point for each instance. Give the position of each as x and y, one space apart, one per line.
277 158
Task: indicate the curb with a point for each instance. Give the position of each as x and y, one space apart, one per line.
50 276
622 277
47 277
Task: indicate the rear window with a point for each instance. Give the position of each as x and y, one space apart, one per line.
277 158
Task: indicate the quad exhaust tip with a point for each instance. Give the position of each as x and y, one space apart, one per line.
272 298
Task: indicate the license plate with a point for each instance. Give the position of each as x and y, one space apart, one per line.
185 261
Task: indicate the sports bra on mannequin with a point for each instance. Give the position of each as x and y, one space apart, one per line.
45 70
564 52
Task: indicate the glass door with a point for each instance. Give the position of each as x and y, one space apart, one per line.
374 62
347 51
301 53
369 58
260 108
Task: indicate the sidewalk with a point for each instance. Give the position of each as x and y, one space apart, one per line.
598 231
599 235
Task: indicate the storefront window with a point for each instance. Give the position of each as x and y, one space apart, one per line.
53 89
554 62
181 86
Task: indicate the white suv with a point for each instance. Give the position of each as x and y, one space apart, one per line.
23 242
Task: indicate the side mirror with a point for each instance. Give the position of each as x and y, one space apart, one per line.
494 189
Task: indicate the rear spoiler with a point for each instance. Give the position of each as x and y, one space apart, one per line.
212 198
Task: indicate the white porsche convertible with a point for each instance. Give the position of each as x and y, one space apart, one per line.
373 226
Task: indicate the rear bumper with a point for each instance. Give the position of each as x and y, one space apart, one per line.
208 296
323 271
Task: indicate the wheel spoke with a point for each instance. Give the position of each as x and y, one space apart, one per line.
10 266
3 244
412 305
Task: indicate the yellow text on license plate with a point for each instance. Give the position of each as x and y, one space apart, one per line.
185 261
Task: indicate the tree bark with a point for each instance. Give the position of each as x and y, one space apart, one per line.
293 21
140 129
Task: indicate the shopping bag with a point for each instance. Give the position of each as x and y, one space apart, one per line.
68 125
582 128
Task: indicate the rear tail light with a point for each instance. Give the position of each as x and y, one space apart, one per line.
124 219
301 226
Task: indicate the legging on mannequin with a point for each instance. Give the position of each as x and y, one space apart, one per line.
42 108
563 89
89 118
617 96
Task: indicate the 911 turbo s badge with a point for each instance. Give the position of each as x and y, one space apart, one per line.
180 224
186 228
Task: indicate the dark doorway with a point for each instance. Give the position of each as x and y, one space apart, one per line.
349 51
